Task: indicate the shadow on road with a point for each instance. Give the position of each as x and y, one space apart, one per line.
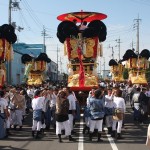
10 148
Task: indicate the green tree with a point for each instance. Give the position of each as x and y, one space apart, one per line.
147 74
126 73
65 76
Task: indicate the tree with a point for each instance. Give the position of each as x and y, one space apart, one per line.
147 74
126 73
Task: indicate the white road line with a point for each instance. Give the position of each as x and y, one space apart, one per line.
111 141
81 138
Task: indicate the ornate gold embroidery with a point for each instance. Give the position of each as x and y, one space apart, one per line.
73 45
90 43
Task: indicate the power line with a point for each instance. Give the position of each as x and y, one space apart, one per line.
118 33
35 17
112 51
45 35
28 9
24 19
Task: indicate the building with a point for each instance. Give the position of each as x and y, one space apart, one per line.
52 71
17 69
31 49
106 74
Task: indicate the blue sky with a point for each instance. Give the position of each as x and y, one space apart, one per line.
121 14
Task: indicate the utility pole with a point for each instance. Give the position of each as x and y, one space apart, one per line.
118 41
132 44
104 68
112 51
12 5
57 63
9 63
137 35
9 11
100 69
56 50
44 34
60 65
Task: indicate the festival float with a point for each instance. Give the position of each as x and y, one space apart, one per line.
82 47
116 69
7 38
137 65
35 68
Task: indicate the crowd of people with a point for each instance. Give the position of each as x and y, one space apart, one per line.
59 107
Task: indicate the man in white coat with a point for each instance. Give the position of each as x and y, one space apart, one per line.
72 107
37 105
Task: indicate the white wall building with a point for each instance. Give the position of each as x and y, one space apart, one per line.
106 74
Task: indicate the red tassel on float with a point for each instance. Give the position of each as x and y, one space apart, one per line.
68 47
81 71
95 47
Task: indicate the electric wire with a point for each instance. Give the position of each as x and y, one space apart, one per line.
34 16
28 9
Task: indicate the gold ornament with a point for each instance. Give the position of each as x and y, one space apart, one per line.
73 44
90 43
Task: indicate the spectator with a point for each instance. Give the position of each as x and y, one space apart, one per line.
119 105
96 107
109 105
62 118
143 100
136 104
37 105
3 115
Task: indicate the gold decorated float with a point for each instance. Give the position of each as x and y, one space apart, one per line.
7 38
82 46
90 80
116 70
34 68
2 74
137 65
5 55
88 58
35 78
6 50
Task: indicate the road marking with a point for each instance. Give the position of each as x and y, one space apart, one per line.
111 141
81 138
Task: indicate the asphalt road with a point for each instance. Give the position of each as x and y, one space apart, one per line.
134 137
